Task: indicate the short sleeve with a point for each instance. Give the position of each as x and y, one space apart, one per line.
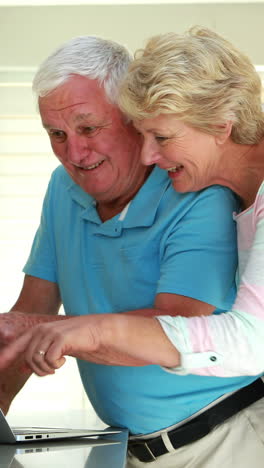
42 261
199 256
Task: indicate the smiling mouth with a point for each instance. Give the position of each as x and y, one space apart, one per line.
177 168
91 167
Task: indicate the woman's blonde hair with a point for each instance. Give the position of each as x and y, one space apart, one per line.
200 77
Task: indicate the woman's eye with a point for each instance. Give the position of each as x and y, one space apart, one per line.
160 138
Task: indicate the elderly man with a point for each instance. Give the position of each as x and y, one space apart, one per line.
115 237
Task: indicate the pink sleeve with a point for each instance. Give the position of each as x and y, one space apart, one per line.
232 343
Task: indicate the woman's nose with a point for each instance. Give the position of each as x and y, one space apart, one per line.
150 153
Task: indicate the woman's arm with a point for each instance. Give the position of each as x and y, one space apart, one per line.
110 339
235 339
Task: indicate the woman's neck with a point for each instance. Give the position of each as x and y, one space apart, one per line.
243 169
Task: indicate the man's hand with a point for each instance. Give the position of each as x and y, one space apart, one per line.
12 326
39 301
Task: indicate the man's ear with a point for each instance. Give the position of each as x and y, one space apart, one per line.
226 130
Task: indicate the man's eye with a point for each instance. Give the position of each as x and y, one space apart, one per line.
57 135
90 131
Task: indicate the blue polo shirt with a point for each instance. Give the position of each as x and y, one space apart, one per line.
164 242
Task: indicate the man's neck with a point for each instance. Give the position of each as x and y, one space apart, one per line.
108 209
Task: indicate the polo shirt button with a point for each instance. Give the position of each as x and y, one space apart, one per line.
213 358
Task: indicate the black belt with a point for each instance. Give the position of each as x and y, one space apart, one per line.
147 450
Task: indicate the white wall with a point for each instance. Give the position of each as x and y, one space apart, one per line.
30 33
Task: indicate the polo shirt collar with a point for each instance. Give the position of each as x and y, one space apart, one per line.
86 201
141 210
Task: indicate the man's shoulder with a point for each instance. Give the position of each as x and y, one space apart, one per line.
157 203
159 178
222 197
215 196
220 193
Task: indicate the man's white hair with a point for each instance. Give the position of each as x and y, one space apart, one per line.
89 56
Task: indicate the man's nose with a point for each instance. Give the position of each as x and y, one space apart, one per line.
150 153
78 148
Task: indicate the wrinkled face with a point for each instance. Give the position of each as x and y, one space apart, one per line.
190 156
90 138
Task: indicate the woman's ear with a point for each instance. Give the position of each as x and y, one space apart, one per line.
226 130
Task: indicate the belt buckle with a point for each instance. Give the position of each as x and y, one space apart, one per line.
150 452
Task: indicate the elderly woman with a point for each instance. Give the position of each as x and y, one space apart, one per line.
196 101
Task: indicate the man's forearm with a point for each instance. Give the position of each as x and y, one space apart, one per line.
11 382
174 305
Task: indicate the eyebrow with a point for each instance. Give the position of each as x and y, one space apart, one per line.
153 130
81 117
77 118
48 127
149 130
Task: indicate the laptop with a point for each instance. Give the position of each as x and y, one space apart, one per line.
12 435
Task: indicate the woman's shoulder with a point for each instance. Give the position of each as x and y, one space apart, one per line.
261 188
259 203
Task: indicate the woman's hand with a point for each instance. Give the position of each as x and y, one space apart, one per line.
45 345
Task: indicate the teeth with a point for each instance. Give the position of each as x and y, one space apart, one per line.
93 166
175 168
